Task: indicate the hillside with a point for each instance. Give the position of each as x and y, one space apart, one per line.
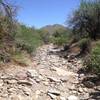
52 28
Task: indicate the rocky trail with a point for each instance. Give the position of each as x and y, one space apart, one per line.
49 78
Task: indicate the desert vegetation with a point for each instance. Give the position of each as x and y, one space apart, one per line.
84 29
85 24
72 50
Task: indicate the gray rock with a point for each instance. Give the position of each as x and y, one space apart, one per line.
17 97
54 91
22 75
81 89
73 97
25 82
89 84
53 79
27 91
1 82
85 96
52 96
32 73
12 81
62 98
64 79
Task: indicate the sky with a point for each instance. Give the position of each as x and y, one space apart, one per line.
39 13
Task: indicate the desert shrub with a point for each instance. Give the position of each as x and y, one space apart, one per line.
27 39
59 41
60 37
44 35
85 45
85 21
94 63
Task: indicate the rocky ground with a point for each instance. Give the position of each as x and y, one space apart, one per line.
50 77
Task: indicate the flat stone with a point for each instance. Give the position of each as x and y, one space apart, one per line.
52 96
46 83
1 98
38 92
85 96
32 73
62 72
80 90
12 81
1 82
62 98
16 97
25 82
72 87
89 84
22 75
54 91
73 97
64 79
27 91
11 90
53 79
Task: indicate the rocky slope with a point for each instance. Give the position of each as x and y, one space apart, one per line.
50 77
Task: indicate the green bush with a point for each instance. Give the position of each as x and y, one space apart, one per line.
59 41
60 37
44 36
27 39
85 45
94 64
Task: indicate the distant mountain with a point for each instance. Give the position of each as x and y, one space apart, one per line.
52 28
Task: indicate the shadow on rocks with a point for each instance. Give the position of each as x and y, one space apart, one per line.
95 95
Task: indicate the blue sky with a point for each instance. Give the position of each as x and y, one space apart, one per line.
39 13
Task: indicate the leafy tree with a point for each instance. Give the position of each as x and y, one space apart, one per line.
7 18
85 21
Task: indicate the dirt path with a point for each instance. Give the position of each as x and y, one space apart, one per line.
51 77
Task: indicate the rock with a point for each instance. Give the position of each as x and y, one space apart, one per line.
53 79
64 79
85 89
25 82
11 90
38 92
36 95
72 87
1 82
22 75
80 90
1 98
62 72
82 75
14 97
52 96
98 88
27 91
73 97
37 80
17 97
12 81
74 92
55 92
85 96
62 98
32 73
89 84
46 83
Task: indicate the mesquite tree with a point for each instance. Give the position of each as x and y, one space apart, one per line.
7 18
85 21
